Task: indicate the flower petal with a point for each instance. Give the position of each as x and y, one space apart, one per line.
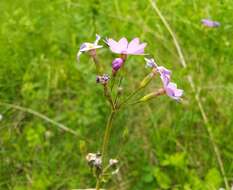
138 50
114 46
179 92
133 44
97 39
123 44
150 63
78 55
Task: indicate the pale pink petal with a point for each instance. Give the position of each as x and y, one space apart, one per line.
123 43
114 46
178 92
173 92
172 85
169 92
139 50
134 43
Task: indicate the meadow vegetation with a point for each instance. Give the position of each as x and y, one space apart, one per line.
161 145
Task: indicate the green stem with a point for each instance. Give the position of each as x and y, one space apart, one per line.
40 115
129 97
107 94
107 134
97 187
95 60
105 143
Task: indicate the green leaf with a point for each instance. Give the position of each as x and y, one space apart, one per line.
177 160
162 178
213 179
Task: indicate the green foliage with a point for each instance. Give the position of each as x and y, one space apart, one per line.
161 145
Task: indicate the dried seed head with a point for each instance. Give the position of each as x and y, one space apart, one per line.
94 159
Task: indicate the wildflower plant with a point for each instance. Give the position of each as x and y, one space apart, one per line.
102 166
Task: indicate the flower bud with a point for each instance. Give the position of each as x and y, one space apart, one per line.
147 79
119 90
117 63
152 95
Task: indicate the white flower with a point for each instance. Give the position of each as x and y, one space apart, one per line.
89 46
113 162
1 117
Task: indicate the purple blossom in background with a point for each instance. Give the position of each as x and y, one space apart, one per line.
117 63
123 47
172 91
210 23
103 79
89 46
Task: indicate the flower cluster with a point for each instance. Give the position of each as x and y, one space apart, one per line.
134 47
94 160
169 87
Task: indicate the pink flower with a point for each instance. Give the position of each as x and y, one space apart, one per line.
172 91
123 47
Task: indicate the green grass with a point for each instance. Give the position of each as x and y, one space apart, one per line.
161 145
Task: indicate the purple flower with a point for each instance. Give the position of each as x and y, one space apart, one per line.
103 79
117 63
150 63
169 88
210 23
123 47
85 47
172 91
165 74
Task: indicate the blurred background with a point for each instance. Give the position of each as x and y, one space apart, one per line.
161 145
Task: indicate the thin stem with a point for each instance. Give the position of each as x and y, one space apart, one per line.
44 117
95 60
105 143
107 94
113 82
142 85
97 187
190 79
107 134
118 86
129 97
176 43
